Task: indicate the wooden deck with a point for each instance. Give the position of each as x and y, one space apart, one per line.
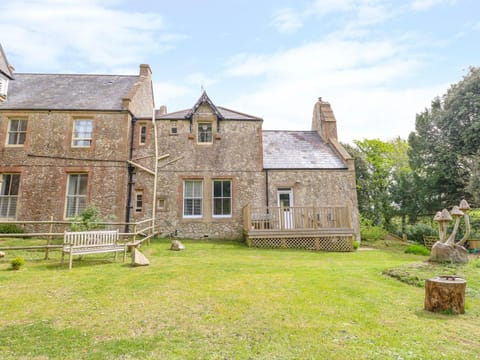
322 228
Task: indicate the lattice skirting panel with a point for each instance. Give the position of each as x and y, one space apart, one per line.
319 243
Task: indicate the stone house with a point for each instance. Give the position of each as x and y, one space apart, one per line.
65 142
70 140
221 161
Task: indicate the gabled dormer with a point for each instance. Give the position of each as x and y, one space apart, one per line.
204 120
6 74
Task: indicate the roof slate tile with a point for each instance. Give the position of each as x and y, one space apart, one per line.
298 150
68 91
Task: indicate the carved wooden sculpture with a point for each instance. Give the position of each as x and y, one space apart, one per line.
446 250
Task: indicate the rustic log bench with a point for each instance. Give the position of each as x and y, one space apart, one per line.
92 242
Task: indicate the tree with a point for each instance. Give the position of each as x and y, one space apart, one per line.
445 147
381 167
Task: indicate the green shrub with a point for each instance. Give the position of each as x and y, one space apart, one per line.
368 231
356 245
11 229
417 231
17 262
417 250
88 220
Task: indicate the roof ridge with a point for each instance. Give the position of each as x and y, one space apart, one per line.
59 74
309 131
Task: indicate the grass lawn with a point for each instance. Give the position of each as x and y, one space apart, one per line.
221 300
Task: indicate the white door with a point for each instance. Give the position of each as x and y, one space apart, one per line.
285 200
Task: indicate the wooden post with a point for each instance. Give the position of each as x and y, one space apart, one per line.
282 217
49 237
246 218
134 232
445 293
349 216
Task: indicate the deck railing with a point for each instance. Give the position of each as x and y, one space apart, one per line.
296 218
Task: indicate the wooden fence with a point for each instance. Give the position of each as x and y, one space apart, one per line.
142 231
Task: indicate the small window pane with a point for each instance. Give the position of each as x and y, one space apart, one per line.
205 132
143 134
17 132
10 184
139 201
222 198
82 133
77 194
192 198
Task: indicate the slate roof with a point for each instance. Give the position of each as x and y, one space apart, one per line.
68 91
227 114
298 150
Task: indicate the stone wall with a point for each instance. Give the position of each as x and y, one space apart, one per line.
317 188
235 154
47 158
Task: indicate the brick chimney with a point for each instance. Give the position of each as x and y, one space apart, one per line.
323 120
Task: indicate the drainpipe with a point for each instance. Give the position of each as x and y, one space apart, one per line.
131 170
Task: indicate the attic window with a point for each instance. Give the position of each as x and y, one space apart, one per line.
205 133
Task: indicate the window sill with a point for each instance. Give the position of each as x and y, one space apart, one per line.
12 146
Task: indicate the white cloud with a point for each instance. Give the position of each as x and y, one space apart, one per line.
287 20
422 5
80 32
200 79
359 79
324 7
166 92
317 58
356 15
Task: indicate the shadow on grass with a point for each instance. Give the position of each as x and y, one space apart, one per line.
437 316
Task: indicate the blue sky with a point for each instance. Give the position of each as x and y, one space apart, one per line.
378 62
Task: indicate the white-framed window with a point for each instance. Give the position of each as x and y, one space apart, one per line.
222 198
17 131
205 132
9 186
82 132
143 134
76 194
138 200
192 198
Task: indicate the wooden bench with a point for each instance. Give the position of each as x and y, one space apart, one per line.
91 242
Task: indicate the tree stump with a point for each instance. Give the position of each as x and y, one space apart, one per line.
445 293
